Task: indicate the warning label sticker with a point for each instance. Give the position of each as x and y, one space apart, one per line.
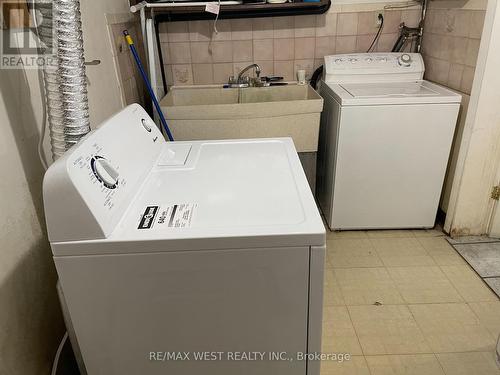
168 216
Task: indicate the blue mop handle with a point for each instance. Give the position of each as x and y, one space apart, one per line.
130 42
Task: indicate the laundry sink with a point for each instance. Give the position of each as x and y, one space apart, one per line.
213 112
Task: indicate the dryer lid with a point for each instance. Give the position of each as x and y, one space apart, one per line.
193 195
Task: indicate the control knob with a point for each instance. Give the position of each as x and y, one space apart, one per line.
104 172
404 60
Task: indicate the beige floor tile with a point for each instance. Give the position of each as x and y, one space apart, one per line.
349 253
366 286
451 258
351 234
423 285
479 363
390 246
338 333
389 233
332 296
328 265
396 252
452 327
356 365
413 364
470 286
387 330
488 314
434 243
441 251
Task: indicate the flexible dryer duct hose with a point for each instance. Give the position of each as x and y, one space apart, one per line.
64 75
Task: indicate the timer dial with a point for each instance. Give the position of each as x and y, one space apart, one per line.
404 60
104 172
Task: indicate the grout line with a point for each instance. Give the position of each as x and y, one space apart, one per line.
420 329
355 332
367 366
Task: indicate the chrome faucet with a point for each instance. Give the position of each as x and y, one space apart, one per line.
257 71
242 81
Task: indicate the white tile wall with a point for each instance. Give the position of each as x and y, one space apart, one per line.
451 45
281 44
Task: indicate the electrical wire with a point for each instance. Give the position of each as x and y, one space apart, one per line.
377 36
215 21
58 354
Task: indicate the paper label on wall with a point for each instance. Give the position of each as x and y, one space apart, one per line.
212 8
168 216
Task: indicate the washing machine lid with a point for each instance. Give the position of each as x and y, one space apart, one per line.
377 93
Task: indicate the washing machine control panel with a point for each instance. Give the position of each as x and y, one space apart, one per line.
375 67
98 174
105 170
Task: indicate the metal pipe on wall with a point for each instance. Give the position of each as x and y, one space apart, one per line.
64 75
423 13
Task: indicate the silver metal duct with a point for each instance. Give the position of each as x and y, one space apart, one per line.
64 75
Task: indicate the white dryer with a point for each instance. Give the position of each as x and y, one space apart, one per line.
164 249
385 139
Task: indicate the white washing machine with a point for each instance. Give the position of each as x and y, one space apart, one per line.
385 139
168 250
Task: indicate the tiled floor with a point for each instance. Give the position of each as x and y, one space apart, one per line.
405 303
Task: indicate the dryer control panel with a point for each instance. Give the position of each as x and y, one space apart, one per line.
373 67
94 182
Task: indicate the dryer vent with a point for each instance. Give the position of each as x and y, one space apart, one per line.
64 74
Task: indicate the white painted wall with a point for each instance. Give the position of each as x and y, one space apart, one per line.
105 97
478 161
30 321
